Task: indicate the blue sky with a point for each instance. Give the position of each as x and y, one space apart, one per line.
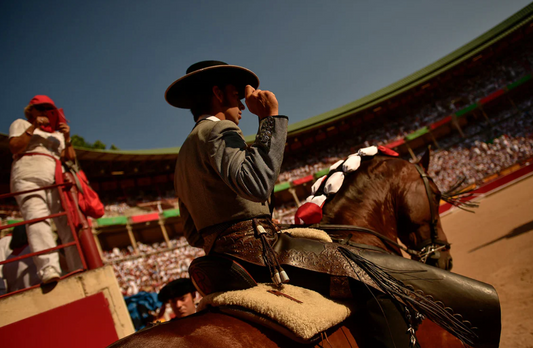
108 63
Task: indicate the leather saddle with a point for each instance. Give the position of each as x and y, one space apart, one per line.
217 273
472 302
218 277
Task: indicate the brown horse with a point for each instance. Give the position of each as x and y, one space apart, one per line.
213 329
387 199
386 194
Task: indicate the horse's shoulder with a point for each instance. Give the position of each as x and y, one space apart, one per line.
207 328
208 316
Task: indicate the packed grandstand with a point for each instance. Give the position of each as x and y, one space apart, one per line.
496 137
474 107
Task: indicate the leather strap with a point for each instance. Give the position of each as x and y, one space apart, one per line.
211 233
434 213
330 227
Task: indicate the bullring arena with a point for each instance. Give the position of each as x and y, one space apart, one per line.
474 107
495 245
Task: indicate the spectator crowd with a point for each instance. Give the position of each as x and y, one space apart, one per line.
510 142
153 267
474 158
449 96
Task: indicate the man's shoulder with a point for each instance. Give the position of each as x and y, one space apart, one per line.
18 127
225 127
20 122
205 124
212 122
207 129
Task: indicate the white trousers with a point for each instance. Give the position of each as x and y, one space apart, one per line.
39 204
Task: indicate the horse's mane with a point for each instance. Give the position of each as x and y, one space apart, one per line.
456 196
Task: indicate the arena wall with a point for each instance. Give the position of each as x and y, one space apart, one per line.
77 289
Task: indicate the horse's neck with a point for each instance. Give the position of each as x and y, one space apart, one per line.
367 201
379 221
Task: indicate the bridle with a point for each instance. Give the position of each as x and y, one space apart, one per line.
430 248
427 249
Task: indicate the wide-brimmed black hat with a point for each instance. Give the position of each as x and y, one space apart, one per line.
175 288
206 74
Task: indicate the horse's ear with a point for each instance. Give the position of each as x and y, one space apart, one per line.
424 161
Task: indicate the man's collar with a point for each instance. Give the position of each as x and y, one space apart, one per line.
208 117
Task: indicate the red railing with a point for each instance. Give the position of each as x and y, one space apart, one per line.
83 238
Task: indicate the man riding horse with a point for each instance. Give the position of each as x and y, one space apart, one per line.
224 184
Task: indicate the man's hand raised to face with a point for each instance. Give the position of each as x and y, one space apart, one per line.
261 103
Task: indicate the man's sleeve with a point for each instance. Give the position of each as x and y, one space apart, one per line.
17 128
250 171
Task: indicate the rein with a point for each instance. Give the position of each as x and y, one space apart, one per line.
330 227
430 247
432 208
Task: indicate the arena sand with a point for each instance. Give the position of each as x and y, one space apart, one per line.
495 245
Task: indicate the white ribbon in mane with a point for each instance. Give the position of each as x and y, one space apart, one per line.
311 210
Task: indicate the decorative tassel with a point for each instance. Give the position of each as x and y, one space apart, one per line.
455 196
284 277
417 303
277 274
276 278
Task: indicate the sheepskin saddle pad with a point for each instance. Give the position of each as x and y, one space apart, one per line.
309 233
298 313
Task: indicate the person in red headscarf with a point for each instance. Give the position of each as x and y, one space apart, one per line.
42 133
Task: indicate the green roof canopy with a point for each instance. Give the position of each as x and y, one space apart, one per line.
470 50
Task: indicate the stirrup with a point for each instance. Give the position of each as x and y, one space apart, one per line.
214 273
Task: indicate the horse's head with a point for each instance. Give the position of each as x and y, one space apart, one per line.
389 198
419 225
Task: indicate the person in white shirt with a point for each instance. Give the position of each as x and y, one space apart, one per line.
32 172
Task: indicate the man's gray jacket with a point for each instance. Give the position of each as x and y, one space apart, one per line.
219 178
